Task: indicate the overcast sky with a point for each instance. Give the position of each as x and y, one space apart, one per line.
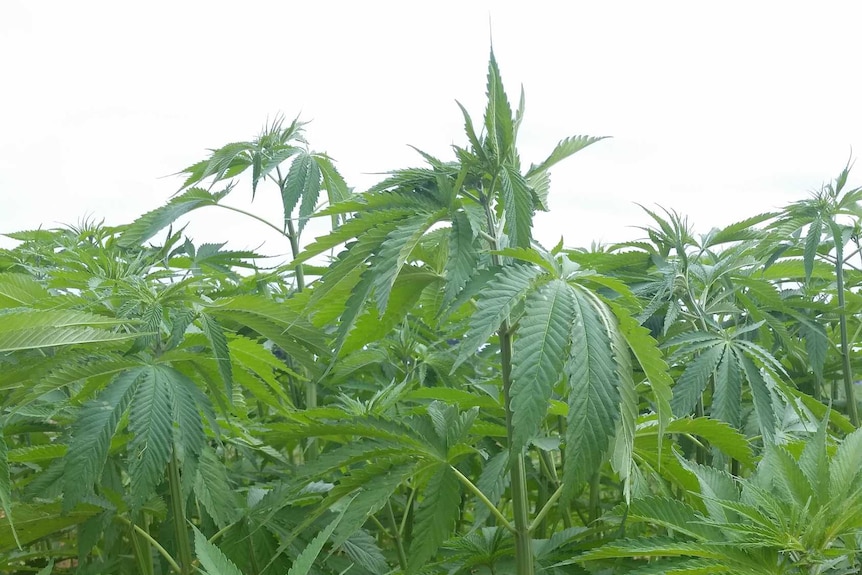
717 112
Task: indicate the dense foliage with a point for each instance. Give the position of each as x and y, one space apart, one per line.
425 388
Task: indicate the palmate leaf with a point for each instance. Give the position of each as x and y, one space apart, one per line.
302 183
436 517
496 301
91 436
538 356
188 403
213 561
812 242
156 220
593 398
151 422
719 434
694 379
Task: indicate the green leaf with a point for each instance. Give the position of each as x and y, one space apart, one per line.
593 398
462 257
719 434
492 483
846 465
564 149
151 422
303 182
215 334
305 560
674 514
727 397
213 561
35 521
156 220
335 186
499 127
213 489
496 301
538 357
19 290
91 436
393 254
812 242
436 517
518 205
651 360
6 488
761 397
694 380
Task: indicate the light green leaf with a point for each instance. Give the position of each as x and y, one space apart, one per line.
812 242
19 290
6 488
539 353
762 398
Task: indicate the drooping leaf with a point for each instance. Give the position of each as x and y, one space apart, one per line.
727 397
594 398
91 436
151 422
539 354
302 183
435 518
518 205
214 490
462 258
216 336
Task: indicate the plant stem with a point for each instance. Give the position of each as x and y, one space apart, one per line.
253 216
852 409
520 499
149 538
184 546
543 512
481 497
396 533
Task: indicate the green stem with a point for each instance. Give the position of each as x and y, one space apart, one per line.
543 512
184 546
520 498
252 216
852 409
481 497
149 538
399 545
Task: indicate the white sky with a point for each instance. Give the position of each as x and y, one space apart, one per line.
718 112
